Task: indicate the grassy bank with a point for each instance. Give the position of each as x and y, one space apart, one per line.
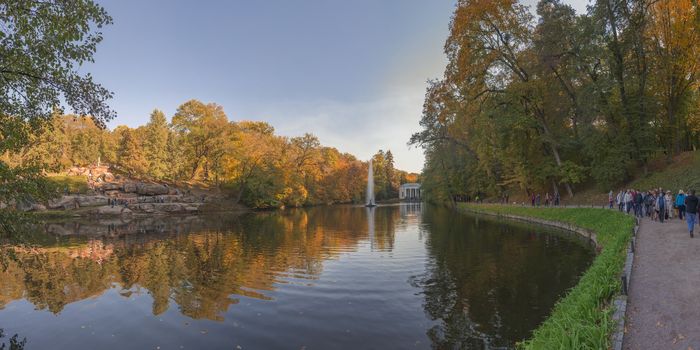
583 318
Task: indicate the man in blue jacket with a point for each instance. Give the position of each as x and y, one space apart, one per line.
680 204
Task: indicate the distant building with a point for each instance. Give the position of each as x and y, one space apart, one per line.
409 192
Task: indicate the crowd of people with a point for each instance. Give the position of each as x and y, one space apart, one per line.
658 205
549 200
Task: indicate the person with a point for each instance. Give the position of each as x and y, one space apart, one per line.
610 199
547 199
538 200
669 205
638 200
628 201
652 204
691 211
620 200
660 207
532 199
680 204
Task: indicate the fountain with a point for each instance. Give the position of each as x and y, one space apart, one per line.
370 186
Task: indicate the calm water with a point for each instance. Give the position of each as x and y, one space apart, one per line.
393 277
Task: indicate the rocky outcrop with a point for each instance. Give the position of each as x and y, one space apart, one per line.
130 187
38 207
91 201
111 186
165 207
148 189
65 202
112 211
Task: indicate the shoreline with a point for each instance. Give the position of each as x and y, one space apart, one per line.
602 284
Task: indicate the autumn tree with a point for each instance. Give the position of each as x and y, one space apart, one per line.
130 155
156 144
202 129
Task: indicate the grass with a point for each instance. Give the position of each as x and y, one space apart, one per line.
75 184
583 318
682 174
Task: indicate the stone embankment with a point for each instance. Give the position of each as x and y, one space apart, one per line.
127 198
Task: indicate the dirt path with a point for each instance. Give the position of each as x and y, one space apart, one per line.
664 298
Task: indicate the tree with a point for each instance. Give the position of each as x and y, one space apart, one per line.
156 144
44 43
130 154
202 129
673 32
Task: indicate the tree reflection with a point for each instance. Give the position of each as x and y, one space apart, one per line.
201 264
488 284
14 342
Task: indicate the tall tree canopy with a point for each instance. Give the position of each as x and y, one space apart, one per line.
560 100
42 46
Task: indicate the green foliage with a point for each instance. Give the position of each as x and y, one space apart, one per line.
73 184
682 174
130 155
156 145
570 99
582 319
44 44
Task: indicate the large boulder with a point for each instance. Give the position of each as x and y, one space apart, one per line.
144 207
147 189
111 186
130 187
65 202
168 207
91 201
38 207
112 211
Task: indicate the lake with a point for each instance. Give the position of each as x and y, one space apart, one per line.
340 277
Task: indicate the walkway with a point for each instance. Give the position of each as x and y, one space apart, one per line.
663 310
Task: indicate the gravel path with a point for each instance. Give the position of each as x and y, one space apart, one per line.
664 298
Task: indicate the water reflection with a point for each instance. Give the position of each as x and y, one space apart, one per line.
13 343
471 283
489 284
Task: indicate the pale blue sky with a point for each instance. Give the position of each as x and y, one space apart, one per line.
351 72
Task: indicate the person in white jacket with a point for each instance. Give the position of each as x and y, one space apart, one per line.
619 200
669 204
628 201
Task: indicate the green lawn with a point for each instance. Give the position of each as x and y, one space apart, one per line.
682 174
75 184
583 318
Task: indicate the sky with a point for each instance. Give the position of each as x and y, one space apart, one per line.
353 73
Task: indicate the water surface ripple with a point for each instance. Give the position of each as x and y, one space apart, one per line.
344 277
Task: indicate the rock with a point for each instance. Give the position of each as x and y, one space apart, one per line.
169 207
24 204
130 187
65 202
38 207
108 176
111 186
145 207
152 189
116 210
91 201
